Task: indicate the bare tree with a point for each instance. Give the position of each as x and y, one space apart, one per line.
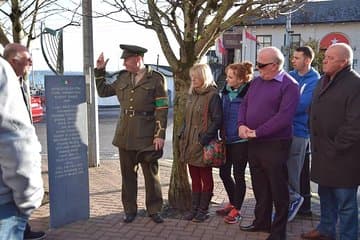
194 25
21 19
319 53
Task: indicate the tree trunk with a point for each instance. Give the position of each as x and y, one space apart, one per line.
179 191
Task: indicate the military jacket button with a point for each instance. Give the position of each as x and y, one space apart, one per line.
131 99
131 107
132 91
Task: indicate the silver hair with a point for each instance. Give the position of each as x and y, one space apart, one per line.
346 51
278 56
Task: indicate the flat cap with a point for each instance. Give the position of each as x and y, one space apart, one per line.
132 50
149 154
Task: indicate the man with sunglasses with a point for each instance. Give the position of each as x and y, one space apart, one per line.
265 118
20 60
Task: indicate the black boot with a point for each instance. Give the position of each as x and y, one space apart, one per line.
195 201
202 213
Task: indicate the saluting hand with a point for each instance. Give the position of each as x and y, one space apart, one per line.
101 63
159 143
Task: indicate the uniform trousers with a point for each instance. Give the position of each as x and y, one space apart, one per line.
129 169
267 161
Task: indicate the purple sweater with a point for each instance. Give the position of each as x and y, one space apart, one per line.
269 107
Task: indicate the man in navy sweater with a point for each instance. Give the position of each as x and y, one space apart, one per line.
265 118
307 78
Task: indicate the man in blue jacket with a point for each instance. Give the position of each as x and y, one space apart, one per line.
307 78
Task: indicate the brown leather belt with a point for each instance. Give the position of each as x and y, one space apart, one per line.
132 113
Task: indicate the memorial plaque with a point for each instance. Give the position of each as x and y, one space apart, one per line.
67 149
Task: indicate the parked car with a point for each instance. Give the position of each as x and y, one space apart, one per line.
37 110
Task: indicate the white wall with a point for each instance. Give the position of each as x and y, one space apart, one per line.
314 31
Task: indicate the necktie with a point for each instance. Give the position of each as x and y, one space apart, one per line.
133 81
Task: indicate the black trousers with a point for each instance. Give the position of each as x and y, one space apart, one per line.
236 160
269 175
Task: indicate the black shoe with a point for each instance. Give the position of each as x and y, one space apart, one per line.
157 218
253 228
31 235
201 216
306 213
128 218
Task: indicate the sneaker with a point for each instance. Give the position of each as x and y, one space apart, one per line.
225 210
233 216
294 208
31 235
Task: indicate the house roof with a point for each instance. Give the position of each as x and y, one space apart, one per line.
332 11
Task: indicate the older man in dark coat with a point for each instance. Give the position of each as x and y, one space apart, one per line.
335 139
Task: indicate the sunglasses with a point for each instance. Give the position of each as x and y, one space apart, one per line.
262 65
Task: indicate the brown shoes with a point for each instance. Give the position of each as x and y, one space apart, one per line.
315 235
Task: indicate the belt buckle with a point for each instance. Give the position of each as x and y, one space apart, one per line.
130 112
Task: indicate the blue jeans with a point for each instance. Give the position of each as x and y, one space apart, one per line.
295 164
338 203
12 222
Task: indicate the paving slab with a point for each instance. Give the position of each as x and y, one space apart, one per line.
106 213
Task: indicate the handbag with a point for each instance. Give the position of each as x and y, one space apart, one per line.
214 153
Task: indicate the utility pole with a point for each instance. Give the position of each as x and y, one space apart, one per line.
92 110
288 35
288 41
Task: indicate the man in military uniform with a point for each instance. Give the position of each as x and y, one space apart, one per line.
140 131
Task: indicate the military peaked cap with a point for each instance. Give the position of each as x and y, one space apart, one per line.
149 154
132 50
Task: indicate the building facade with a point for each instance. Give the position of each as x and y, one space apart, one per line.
323 22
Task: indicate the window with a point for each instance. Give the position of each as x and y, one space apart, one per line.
295 41
263 41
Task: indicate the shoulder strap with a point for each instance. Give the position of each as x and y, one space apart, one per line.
206 108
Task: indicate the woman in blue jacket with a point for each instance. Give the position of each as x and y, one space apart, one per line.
238 76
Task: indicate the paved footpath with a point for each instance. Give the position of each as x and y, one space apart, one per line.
106 213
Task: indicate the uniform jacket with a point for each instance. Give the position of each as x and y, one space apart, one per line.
194 136
335 131
149 95
230 113
20 159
